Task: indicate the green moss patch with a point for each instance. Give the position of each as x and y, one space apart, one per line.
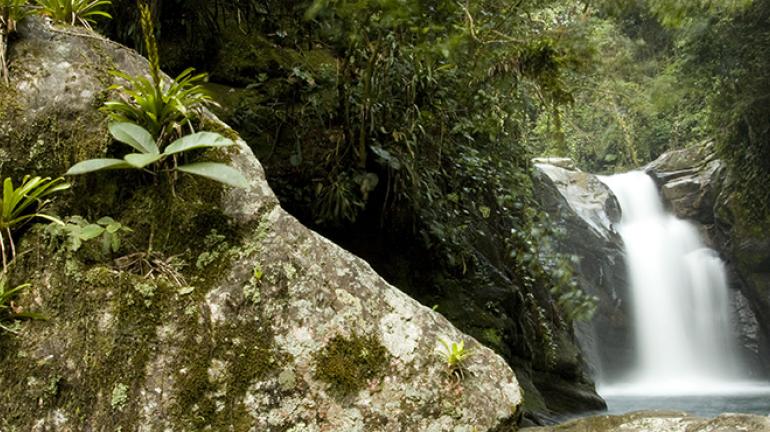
215 369
347 364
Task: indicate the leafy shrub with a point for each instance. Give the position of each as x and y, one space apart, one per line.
22 204
82 12
150 155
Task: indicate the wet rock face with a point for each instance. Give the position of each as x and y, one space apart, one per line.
697 186
586 211
689 180
276 328
661 421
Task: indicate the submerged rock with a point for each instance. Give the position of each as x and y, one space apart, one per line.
661 421
254 322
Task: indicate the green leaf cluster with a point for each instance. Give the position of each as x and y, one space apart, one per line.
158 107
22 204
163 109
81 12
149 155
454 355
76 230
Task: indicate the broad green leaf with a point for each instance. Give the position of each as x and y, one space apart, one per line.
135 136
138 160
92 165
91 231
217 172
197 140
105 220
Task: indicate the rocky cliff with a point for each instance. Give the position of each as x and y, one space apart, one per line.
220 311
585 210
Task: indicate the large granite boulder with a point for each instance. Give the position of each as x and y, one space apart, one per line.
585 210
696 185
224 314
661 421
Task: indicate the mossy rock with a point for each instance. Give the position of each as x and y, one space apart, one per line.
215 312
348 364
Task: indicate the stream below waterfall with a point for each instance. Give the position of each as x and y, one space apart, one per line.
686 355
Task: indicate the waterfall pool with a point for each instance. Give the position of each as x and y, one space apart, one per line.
707 400
751 399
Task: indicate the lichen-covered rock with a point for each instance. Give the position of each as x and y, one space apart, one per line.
661 421
225 314
586 210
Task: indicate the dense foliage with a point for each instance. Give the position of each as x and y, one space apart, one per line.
667 75
727 55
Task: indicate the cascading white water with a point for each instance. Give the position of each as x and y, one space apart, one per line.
679 294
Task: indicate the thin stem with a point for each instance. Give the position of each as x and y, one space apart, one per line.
2 251
10 241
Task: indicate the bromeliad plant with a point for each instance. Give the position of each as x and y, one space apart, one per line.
157 107
23 204
82 12
455 354
153 159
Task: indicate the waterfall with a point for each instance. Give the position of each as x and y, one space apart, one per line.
679 295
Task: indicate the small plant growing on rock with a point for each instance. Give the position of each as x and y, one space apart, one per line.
8 310
74 12
454 355
11 12
150 113
21 205
76 230
157 107
150 156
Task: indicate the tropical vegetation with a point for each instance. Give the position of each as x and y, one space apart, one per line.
163 109
74 12
22 204
150 155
